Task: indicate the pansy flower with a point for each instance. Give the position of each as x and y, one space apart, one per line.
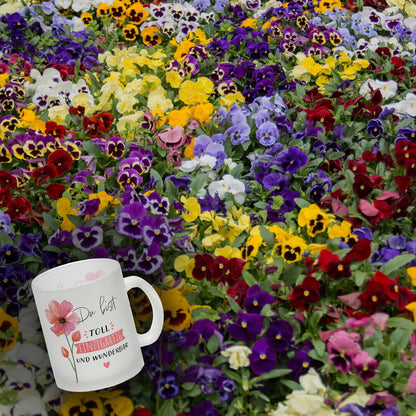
247 326
305 294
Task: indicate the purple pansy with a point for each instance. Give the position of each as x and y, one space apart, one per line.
129 220
150 261
256 298
205 408
247 326
127 257
156 230
279 335
291 159
87 238
167 385
262 357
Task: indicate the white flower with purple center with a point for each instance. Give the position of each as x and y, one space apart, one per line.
129 220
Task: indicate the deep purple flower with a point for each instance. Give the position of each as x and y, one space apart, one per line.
302 362
262 357
212 203
150 261
291 159
87 238
257 50
276 180
16 21
205 328
88 207
129 220
375 128
184 339
52 259
218 47
256 299
129 177
205 408
225 387
180 183
384 254
127 257
167 385
9 254
247 326
279 335
30 244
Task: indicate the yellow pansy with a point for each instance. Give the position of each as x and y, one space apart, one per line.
228 252
158 101
177 310
29 119
129 122
216 220
196 92
293 249
6 322
314 219
312 67
316 248
342 230
119 406
301 73
184 263
183 49
249 22
198 36
411 271
202 112
329 65
179 117
90 401
64 208
322 82
106 200
174 79
191 208
251 247
232 98
4 79
412 308
150 83
211 240
58 114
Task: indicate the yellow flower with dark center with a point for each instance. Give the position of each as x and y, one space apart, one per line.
196 92
151 36
130 32
314 219
118 10
137 13
87 18
293 249
251 248
183 49
5 155
177 310
103 10
118 406
9 124
343 231
80 404
9 327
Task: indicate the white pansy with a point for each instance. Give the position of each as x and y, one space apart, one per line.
388 89
230 164
81 5
63 4
29 403
19 378
29 324
30 355
228 184
311 382
237 356
410 104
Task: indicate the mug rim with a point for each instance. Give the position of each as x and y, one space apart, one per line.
36 282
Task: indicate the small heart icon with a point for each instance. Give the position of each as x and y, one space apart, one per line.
107 364
90 276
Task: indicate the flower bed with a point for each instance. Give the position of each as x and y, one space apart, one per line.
254 161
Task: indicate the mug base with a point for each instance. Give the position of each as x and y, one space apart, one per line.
100 384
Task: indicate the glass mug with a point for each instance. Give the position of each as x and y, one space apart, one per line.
88 325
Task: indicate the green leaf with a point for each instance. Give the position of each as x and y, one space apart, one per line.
213 344
92 149
385 369
8 398
167 409
268 237
403 323
50 221
249 278
301 203
198 183
396 262
278 372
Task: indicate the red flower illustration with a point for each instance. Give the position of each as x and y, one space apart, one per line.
59 315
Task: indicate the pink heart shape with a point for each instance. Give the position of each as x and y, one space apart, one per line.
90 276
107 364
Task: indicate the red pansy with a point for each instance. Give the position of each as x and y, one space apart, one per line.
55 190
305 294
204 266
62 161
7 180
18 206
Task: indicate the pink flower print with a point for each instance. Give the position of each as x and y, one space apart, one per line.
58 315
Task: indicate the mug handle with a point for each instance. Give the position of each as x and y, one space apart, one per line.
158 315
